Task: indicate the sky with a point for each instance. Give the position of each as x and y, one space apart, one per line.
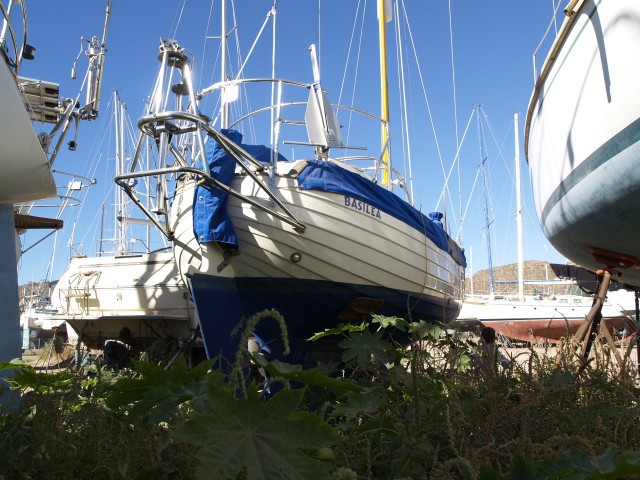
469 53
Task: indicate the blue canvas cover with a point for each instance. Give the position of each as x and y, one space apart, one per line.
321 175
211 222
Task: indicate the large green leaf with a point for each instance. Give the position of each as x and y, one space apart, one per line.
339 330
267 439
390 322
425 330
357 404
366 349
159 391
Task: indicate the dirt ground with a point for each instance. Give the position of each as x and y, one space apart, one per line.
49 358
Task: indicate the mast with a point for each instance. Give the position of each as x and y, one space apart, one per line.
224 114
100 242
518 210
483 161
384 16
121 214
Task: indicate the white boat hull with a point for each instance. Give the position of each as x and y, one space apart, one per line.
26 174
539 321
583 139
347 253
101 296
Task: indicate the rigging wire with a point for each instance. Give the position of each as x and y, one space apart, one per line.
424 92
552 23
404 122
349 48
357 63
319 50
203 56
178 20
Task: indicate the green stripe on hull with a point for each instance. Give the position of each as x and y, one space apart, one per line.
623 140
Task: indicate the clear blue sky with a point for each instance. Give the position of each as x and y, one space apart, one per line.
493 43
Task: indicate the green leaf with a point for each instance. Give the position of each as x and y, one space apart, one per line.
388 322
268 439
428 330
380 424
365 349
488 473
357 404
311 376
160 391
13 364
339 330
26 377
521 469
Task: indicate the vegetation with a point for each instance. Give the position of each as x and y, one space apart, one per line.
430 412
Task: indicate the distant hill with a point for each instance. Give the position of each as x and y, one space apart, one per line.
532 270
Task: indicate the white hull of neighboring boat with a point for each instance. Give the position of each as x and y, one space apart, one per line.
26 175
583 138
318 277
42 324
101 296
538 321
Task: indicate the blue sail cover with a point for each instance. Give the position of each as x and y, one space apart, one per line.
360 192
211 221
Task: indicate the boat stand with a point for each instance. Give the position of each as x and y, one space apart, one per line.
593 327
55 355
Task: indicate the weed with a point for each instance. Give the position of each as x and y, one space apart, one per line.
390 412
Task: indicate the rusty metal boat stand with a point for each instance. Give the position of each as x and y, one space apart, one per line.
593 327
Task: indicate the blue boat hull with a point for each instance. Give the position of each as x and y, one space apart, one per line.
307 306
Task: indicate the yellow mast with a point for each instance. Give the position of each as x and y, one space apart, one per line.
383 17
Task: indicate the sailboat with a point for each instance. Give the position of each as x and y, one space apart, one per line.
535 319
308 242
582 138
128 294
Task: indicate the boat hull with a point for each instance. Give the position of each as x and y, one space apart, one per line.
26 174
583 139
140 297
537 321
307 307
546 331
347 257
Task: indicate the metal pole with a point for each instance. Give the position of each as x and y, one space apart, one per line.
10 335
518 210
637 332
595 314
224 114
485 184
